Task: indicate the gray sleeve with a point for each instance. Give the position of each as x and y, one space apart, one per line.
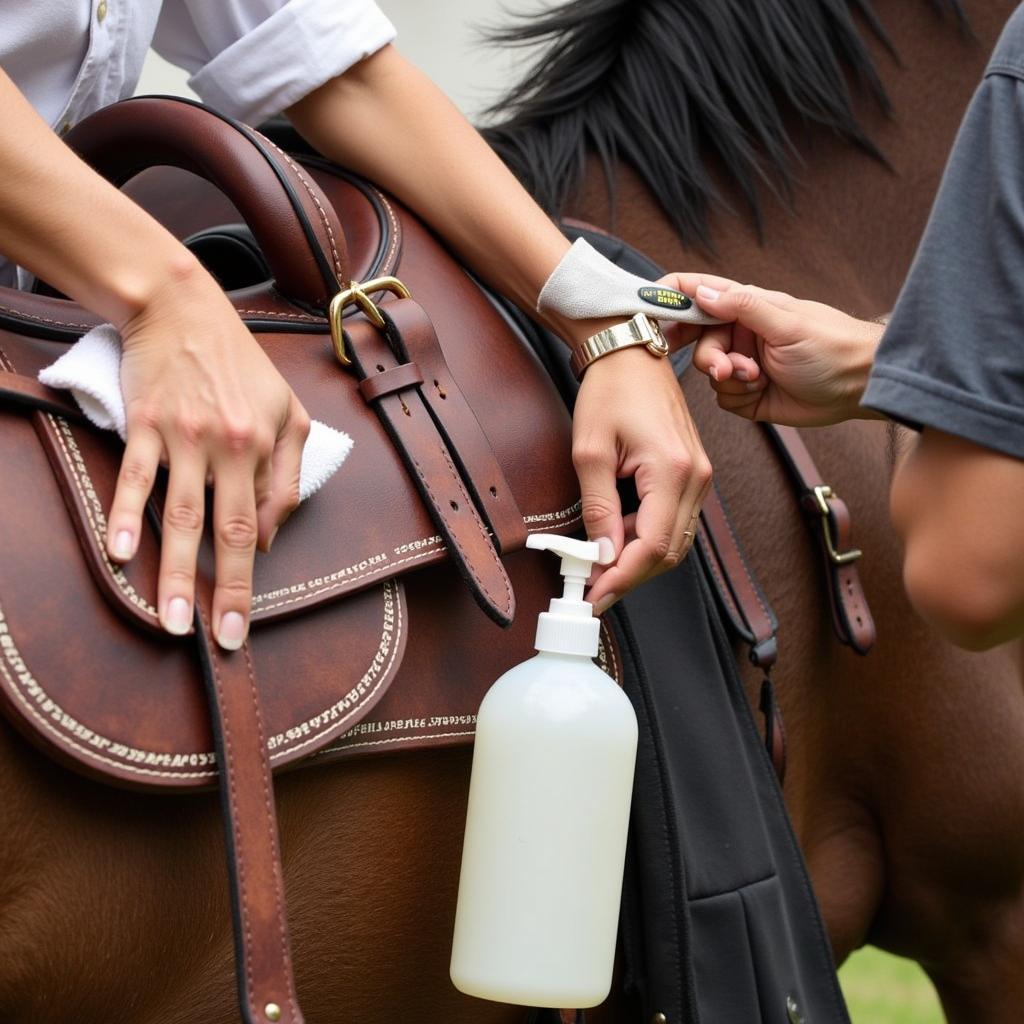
952 357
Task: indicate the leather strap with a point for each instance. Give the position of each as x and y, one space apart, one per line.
387 383
27 392
263 961
739 593
428 453
458 423
851 616
751 617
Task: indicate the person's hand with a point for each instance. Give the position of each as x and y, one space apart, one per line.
631 420
203 396
780 359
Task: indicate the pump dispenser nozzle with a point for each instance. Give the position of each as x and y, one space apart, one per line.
568 626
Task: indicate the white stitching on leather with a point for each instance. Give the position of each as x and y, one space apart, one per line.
544 520
393 739
395 230
43 319
25 685
381 674
94 511
312 195
24 676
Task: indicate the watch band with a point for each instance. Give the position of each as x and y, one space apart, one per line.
638 330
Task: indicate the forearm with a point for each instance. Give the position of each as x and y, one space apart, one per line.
386 120
62 221
957 507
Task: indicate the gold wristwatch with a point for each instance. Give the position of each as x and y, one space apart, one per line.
640 330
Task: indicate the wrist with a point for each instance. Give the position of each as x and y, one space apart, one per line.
861 349
173 282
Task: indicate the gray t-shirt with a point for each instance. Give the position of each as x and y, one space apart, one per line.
952 357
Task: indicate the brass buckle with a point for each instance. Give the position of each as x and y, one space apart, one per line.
359 294
821 493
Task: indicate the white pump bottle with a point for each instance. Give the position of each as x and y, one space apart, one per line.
549 800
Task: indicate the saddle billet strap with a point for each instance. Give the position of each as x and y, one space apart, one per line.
851 616
263 960
457 421
739 593
747 609
427 451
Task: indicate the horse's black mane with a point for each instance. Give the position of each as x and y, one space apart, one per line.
673 85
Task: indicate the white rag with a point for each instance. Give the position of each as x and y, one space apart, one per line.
91 371
586 285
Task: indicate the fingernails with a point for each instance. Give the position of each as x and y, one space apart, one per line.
124 545
270 539
741 374
606 551
713 371
709 294
178 617
605 603
754 385
231 634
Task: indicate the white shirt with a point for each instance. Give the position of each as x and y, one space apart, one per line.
248 58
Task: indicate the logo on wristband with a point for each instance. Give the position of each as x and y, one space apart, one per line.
667 298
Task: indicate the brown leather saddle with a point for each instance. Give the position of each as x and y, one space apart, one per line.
376 618
370 618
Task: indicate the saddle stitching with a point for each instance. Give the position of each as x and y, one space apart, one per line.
312 195
44 319
396 645
391 739
395 229
271 829
94 512
68 741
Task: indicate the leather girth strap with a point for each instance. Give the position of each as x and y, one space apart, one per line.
851 616
263 960
461 484
748 611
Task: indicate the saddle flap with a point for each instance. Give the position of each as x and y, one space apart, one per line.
95 680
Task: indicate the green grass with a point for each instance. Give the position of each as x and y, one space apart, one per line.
884 989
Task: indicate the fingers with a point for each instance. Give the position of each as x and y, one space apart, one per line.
139 466
234 537
281 498
602 511
671 489
751 307
184 511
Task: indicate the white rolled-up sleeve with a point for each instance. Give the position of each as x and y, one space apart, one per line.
253 58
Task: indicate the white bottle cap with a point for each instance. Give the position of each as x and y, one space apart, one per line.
569 626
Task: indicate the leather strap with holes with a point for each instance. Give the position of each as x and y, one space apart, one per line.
830 520
263 962
394 383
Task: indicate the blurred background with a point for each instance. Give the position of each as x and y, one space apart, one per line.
444 38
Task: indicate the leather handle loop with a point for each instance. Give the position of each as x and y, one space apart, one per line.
293 222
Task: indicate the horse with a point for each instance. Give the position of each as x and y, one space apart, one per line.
113 903
741 144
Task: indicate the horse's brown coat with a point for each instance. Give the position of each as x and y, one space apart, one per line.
905 766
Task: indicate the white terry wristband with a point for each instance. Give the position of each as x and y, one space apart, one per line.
585 286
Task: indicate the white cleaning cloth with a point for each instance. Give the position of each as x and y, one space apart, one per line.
585 285
91 371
